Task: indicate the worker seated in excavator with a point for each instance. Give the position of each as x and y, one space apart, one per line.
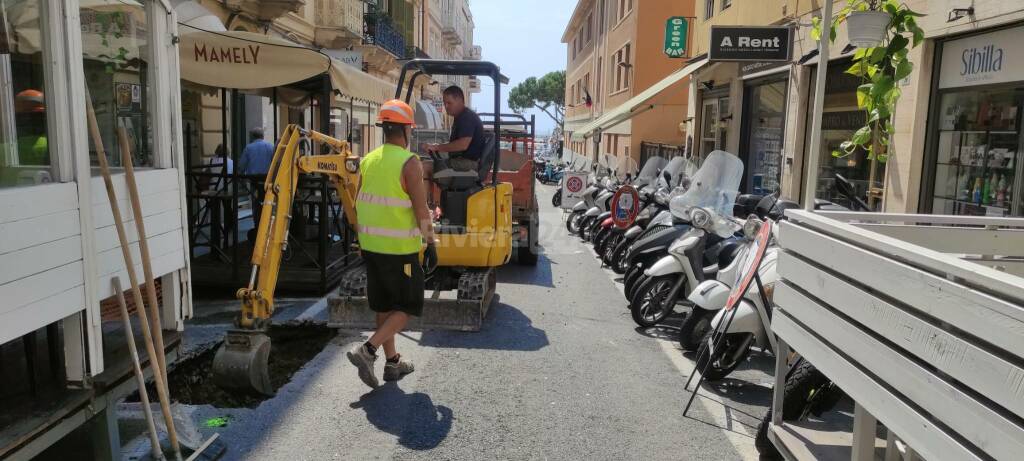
462 164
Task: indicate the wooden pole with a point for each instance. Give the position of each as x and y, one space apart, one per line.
147 266
140 378
101 155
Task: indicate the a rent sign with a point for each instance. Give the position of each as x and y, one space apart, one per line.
740 43
675 37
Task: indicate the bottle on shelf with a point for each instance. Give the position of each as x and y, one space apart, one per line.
976 193
986 191
1001 191
963 188
990 188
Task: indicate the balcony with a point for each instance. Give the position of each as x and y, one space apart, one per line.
415 52
451 35
265 10
379 31
474 53
339 23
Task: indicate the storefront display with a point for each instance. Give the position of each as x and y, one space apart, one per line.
765 121
975 144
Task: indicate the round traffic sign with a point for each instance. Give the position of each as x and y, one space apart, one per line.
625 206
574 184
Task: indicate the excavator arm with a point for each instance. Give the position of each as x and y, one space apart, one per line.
241 362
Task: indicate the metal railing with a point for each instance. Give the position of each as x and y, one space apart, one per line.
653 149
378 30
415 52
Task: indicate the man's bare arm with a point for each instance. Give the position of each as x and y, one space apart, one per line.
412 179
458 145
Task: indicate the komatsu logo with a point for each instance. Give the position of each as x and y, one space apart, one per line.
327 166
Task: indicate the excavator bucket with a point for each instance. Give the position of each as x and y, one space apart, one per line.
241 362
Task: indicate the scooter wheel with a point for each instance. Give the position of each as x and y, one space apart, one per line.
653 301
618 258
730 352
635 271
608 248
694 327
572 224
556 200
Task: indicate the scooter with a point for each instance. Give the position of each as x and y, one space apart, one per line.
695 255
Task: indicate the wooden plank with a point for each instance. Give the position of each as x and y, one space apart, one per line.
150 182
162 265
106 237
956 240
1001 284
38 230
41 313
151 205
996 320
979 424
30 289
40 258
991 375
914 427
18 203
848 216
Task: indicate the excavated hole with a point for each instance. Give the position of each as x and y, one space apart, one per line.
191 380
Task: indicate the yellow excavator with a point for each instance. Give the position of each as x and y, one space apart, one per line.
474 229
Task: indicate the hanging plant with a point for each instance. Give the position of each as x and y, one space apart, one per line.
879 67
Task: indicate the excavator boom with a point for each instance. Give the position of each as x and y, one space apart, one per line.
241 363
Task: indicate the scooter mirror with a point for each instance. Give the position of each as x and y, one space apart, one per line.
667 176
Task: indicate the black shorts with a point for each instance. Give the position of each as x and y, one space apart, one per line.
394 282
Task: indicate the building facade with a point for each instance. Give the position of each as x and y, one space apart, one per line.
957 142
615 51
450 36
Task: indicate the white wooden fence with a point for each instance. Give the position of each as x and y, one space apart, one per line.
919 319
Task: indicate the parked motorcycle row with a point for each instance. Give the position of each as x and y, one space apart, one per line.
691 242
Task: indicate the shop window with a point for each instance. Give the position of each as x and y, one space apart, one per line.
978 164
841 118
115 56
26 158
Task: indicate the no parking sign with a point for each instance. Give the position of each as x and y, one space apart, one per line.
625 206
572 188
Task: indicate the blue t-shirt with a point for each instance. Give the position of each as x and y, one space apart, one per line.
468 125
256 157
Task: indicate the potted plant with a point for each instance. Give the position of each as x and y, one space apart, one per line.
880 68
866 23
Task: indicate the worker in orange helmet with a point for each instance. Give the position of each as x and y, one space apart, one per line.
30 115
394 225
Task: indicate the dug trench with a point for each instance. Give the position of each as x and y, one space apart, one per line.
190 381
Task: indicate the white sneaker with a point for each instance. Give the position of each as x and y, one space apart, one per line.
363 360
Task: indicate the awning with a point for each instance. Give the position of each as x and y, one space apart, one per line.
350 82
636 104
245 60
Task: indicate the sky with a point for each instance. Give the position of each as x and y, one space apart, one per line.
524 38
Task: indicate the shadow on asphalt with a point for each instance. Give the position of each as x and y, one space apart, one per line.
413 418
505 328
539 275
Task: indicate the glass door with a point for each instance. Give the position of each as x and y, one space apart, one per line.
978 167
765 120
714 132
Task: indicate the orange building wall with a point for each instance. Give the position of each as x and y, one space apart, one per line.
660 124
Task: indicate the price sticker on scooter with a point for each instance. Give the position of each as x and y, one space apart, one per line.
625 206
751 264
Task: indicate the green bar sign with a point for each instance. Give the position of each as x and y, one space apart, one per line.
675 37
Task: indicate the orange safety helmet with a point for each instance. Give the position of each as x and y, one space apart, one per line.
396 111
29 101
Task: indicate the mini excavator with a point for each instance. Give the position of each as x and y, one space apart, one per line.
474 229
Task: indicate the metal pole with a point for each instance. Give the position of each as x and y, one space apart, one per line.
814 156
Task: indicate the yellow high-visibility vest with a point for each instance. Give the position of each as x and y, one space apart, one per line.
387 223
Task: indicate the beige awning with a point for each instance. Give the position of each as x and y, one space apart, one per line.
350 82
636 104
245 60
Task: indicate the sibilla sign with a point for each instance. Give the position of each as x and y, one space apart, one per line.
675 36
744 43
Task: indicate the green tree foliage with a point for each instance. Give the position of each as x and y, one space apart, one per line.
880 69
546 93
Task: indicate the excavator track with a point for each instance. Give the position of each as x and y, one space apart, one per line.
461 309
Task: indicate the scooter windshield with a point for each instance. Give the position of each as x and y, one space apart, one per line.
714 186
626 167
651 169
678 168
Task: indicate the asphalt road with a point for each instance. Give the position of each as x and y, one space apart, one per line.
558 372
